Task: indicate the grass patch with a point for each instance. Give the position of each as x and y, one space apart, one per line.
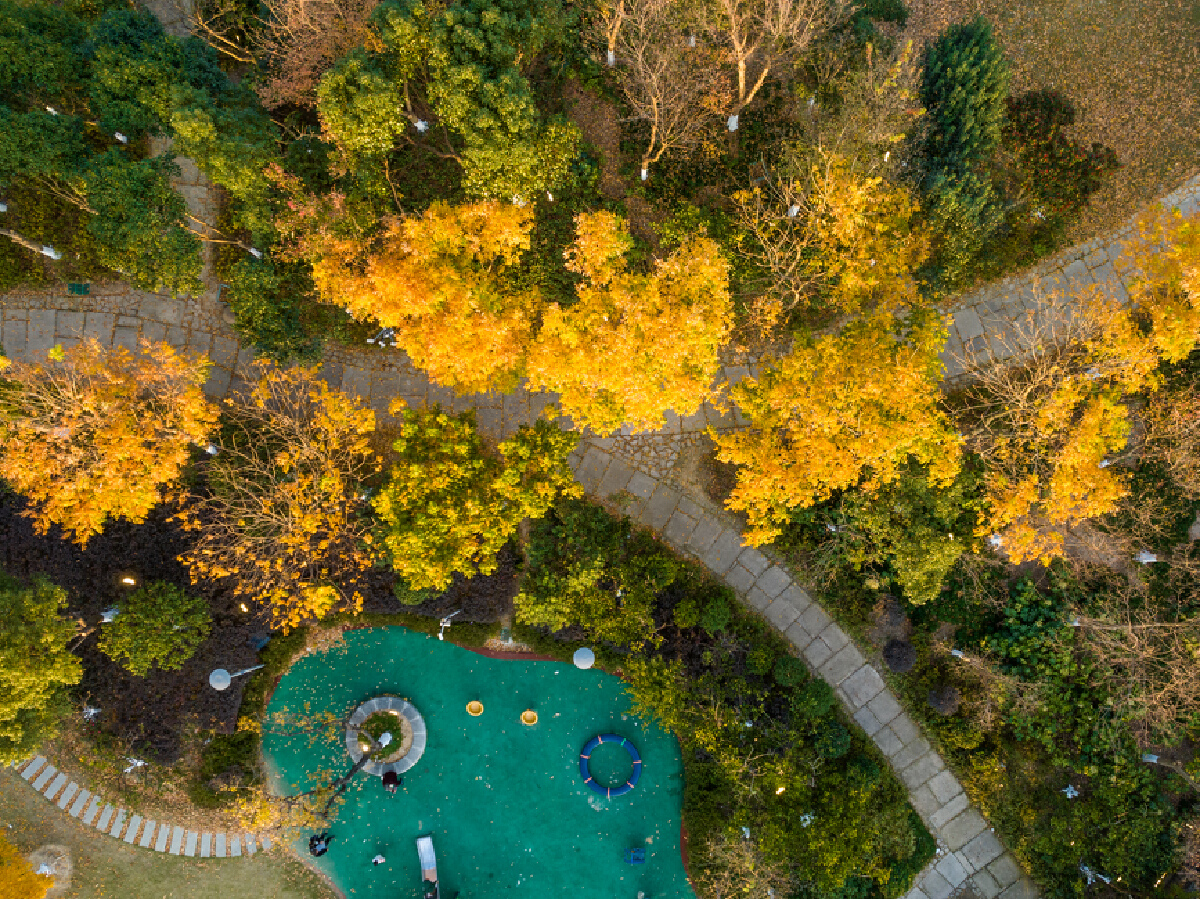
104 867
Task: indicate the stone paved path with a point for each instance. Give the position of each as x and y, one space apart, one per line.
120 824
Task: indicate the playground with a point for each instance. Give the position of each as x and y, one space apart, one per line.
504 800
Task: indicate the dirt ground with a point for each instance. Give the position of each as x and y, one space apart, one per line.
1132 68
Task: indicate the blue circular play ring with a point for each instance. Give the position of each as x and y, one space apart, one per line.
585 770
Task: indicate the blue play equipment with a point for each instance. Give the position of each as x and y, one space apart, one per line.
585 770
635 857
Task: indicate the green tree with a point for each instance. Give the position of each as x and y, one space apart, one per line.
159 625
449 506
465 66
36 667
588 568
79 97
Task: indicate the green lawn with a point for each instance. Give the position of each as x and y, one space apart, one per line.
108 868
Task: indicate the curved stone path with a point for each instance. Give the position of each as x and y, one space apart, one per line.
632 471
120 824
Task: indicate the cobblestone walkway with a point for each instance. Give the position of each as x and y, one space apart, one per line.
120 824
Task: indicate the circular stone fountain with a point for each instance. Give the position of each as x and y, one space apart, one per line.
408 735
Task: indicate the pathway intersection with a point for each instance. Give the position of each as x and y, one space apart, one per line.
636 472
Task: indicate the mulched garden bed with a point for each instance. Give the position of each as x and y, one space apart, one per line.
152 714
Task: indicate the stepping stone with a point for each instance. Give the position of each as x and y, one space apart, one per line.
55 786
102 824
220 845
135 825
235 847
147 834
206 845
250 847
67 795
176 840
44 778
266 843
79 803
164 834
189 848
34 767
118 824
90 815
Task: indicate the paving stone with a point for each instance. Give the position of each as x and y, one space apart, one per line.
962 829
105 817
780 613
773 581
739 579
235 847
161 309
189 847
176 840
690 507
905 728
219 849
708 529
910 753
863 685
815 619
884 707
916 893
842 665
678 528
920 771
217 384
952 869
758 600
200 342
14 339
48 772
33 767
135 824
967 324
834 637
865 719
154 331
797 597
935 886
1022 889
206 845
68 323
923 801
1005 870
660 507
67 795
985 885
948 811
799 637
754 561
126 337
616 478
147 834
164 834
641 485
118 824
982 850
720 556
80 802
816 653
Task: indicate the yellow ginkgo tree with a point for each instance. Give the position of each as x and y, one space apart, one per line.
279 512
634 345
93 433
847 409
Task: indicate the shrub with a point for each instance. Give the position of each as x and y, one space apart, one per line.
790 672
687 612
717 614
833 740
963 89
270 302
159 625
759 660
1032 639
962 211
813 701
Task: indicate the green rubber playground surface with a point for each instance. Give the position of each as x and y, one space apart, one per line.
507 808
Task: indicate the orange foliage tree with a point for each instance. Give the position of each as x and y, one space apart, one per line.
634 345
1050 419
18 880
96 433
848 409
438 280
282 520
